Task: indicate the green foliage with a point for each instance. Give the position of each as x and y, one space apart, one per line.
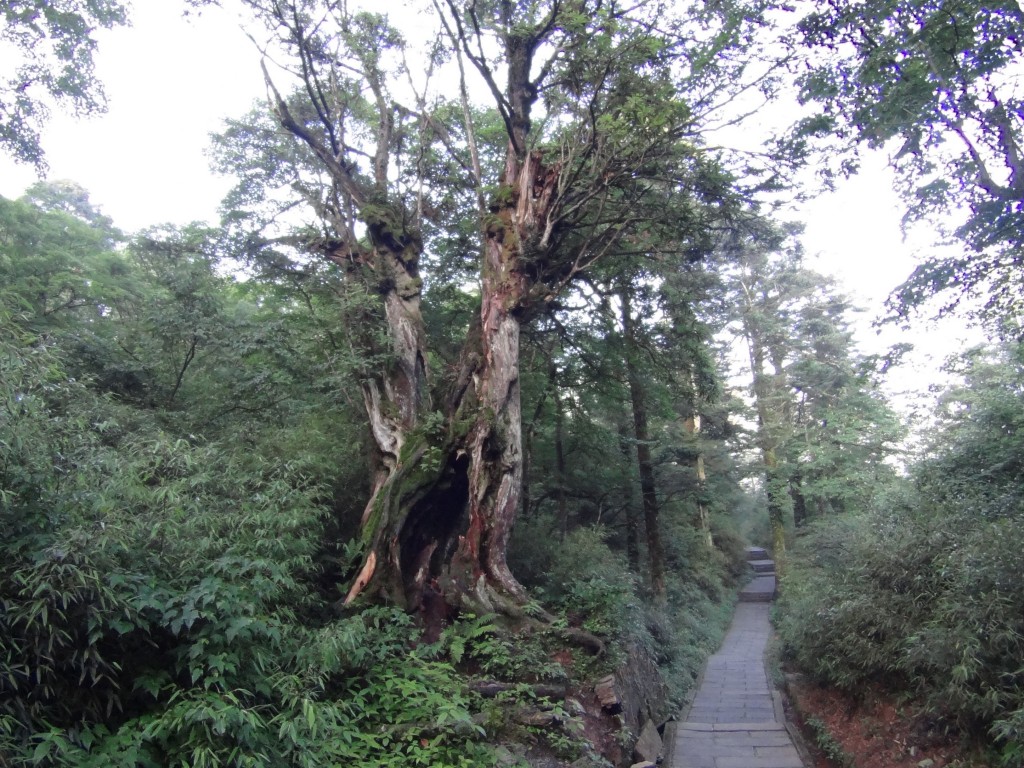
469 633
163 593
826 743
689 626
938 77
580 575
922 595
170 583
824 430
592 585
52 62
922 604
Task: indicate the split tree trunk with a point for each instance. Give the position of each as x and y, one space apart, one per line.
447 494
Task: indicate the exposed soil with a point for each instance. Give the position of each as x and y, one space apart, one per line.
872 731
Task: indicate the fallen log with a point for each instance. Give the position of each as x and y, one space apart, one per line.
491 688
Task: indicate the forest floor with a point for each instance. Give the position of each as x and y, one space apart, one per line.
871 731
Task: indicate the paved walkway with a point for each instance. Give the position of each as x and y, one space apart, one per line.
735 721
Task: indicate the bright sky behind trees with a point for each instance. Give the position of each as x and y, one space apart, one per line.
171 81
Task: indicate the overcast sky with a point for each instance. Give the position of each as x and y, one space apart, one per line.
170 82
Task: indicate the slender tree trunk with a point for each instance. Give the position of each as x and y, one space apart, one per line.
526 499
633 532
645 463
799 502
776 481
560 496
692 426
530 432
779 504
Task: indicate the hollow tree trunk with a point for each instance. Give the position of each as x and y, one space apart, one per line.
440 516
447 489
448 477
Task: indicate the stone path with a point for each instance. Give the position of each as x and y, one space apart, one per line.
735 720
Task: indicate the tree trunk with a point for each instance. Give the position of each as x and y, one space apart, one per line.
796 491
645 464
632 519
395 399
560 496
692 426
530 432
441 514
780 504
526 497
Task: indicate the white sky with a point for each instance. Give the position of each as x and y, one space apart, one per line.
170 82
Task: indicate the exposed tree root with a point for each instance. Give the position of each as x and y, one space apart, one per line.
487 598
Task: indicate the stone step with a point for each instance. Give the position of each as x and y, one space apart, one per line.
756 597
757 553
763 566
761 589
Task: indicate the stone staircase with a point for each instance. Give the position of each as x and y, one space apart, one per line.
736 719
761 588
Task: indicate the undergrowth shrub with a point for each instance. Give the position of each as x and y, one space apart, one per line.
580 576
924 595
700 598
918 604
730 550
159 605
592 585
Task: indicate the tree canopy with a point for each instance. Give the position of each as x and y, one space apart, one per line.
444 420
939 84
52 47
